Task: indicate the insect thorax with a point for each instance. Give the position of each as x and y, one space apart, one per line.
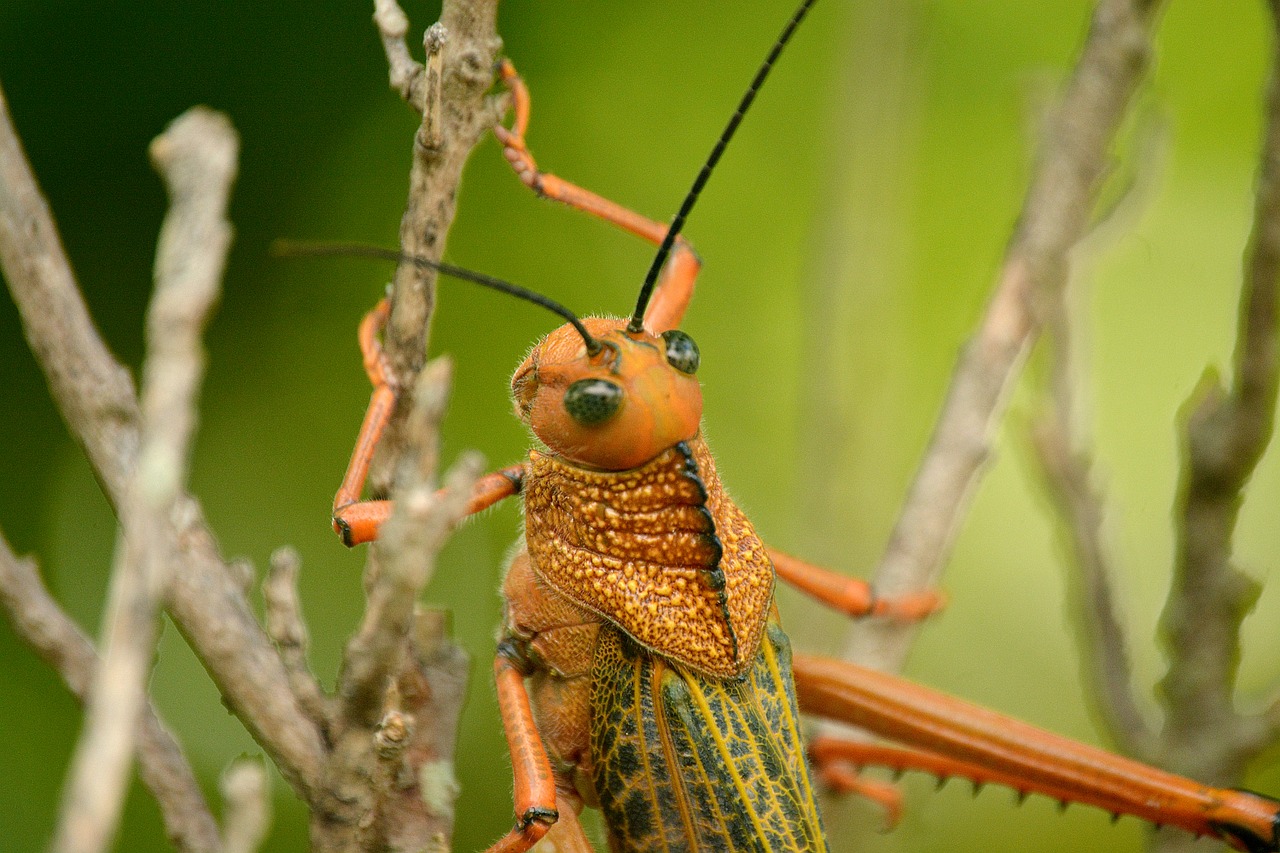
660 551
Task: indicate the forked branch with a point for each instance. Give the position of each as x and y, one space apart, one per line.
1073 157
1227 431
197 157
450 94
98 402
402 683
1067 467
205 595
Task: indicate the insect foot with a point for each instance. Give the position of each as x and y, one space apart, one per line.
1243 837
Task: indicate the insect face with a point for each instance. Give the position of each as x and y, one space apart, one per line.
616 409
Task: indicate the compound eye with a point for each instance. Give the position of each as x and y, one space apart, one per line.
682 352
592 401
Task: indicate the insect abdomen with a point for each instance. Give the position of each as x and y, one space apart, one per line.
685 761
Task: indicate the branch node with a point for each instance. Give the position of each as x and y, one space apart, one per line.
392 735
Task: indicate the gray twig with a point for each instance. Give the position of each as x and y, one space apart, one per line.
432 687
384 667
406 550
461 71
197 158
1055 215
288 631
205 595
1067 468
432 104
1060 445
403 682
94 392
43 625
393 25
1227 431
98 403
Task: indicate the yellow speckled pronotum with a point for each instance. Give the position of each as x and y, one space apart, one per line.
642 667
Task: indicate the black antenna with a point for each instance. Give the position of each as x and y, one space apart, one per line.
646 290
295 248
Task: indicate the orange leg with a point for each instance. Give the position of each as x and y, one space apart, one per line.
833 768
961 739
376 416
675 287
357 521
852 596
566 835
535 787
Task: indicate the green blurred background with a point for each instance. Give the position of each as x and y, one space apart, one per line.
892 146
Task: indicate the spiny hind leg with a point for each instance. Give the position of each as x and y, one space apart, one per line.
947 737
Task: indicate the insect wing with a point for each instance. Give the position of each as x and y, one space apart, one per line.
684 761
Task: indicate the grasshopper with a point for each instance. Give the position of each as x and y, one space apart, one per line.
642 667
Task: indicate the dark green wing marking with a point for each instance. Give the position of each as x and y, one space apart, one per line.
685 762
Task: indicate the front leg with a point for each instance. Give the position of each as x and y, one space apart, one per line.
851 596
550 641
358 521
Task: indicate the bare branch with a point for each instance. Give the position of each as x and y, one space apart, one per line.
288 631
393 24
432 102
97 401
42 624
458 78
1068 473
398 707
247 815
407 547
94 392
208 605
467 57
197 156
1226 434
432 687
1054 216
401 687
207 596
1061 443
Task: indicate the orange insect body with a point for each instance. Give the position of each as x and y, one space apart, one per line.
641 666
657 557
629 532
645 535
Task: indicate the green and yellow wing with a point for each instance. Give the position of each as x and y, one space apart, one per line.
686 762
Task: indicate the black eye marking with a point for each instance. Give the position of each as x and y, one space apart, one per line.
682 352
592 401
